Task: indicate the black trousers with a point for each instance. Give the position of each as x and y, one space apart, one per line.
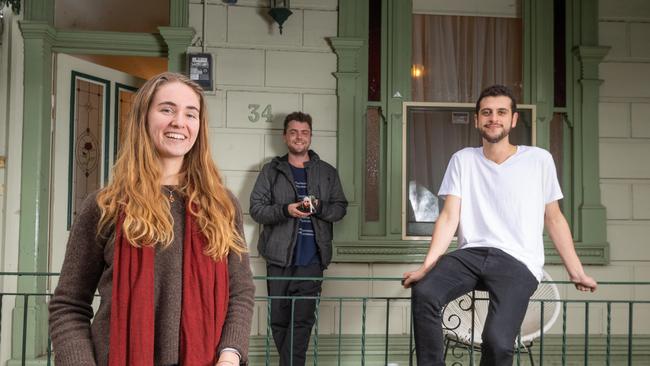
285 332
509 283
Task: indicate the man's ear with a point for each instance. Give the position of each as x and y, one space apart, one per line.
515 118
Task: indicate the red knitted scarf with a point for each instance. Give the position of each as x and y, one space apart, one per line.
204 303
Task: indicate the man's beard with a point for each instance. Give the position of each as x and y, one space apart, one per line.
299 151
495 139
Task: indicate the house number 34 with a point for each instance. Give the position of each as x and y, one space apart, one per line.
254 113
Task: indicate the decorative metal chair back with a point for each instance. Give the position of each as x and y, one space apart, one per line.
457 316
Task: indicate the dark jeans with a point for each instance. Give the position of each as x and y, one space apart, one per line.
509 283
303 310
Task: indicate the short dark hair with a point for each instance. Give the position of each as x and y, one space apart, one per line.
296 116
497 91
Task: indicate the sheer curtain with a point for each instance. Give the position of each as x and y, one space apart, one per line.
461 55
457 57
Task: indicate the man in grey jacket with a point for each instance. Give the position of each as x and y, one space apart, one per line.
296 198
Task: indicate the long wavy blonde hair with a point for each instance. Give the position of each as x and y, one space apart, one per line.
135 190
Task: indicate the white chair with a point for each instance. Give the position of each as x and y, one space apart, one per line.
457 318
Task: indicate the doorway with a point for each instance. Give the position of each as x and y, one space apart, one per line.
90 102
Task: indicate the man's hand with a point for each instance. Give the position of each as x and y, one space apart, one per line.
584 283
295 212
409 278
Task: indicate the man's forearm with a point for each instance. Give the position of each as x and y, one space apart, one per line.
443 233
558 230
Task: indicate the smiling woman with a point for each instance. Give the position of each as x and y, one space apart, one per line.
173 125
166 193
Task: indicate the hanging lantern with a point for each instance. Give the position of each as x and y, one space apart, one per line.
280 11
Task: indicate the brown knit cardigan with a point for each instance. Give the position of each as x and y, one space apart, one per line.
88 266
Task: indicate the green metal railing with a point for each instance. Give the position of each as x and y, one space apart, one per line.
364 347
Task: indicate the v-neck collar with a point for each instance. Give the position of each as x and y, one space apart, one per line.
503 163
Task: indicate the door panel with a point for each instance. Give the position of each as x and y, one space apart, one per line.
90 101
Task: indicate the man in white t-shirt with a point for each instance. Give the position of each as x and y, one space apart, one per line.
499 197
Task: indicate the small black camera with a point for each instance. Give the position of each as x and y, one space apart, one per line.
308 204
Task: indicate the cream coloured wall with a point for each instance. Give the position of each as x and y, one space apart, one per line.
257 68
625 143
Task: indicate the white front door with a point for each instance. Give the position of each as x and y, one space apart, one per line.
90 101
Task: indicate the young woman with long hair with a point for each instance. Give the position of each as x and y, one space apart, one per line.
163 245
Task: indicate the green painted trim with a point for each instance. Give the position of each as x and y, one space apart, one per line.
589 215
347 49
178 39
538 64
380 251
353 17
349 80
414 251
39 10
399 48
37 30
351 49
36 148
179 13
111 43
567 176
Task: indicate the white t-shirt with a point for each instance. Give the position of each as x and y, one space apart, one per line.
502 205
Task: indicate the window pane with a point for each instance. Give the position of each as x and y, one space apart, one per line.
560 143
374 51
433 134
87 146
456 57
371 190
559 57
125 97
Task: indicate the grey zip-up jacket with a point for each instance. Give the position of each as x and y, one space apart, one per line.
273 192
